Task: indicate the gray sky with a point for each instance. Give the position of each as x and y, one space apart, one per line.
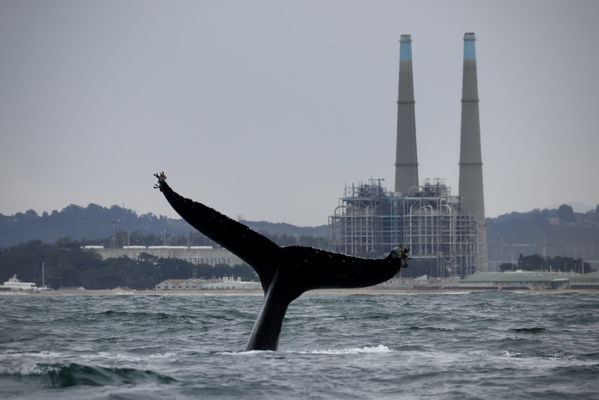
266 109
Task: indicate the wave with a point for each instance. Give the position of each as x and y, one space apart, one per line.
141 314
591 356
127 357
72 374
100 357
431 328
536 329
131 316
451 292
588 371
350 350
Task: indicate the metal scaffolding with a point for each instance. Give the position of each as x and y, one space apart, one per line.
370 221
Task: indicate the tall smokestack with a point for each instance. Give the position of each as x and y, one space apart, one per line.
406 160
471 165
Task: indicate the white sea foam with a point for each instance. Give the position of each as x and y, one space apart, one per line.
107 356
351 350
246 353
27 361
511 354
13 368
30 355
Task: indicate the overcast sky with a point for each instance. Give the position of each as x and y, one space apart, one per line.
266 109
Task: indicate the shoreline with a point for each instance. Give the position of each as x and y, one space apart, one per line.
259 292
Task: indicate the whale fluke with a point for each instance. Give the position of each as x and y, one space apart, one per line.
285 272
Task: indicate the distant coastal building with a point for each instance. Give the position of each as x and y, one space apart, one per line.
513 280
224 283
193 254
531 280
371 221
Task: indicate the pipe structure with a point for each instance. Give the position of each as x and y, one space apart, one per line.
406 161
471 165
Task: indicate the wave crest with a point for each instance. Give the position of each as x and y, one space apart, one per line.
535 329
72 374
352 350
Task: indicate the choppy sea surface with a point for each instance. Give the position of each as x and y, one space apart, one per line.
444 346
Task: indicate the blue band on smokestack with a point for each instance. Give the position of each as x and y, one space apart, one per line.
405 48
469 48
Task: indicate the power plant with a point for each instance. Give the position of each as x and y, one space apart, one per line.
446 234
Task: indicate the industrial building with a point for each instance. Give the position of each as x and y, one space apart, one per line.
370 221
224 283
530 280
446 234
194 254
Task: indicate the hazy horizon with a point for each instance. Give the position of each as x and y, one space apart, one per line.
266 110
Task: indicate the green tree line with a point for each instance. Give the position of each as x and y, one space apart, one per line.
68 265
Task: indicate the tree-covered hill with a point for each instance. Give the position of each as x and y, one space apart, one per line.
97 222
556 232
551 232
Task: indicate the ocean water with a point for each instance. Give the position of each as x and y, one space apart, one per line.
444 346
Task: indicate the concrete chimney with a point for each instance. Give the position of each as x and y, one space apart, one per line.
406 160
471 165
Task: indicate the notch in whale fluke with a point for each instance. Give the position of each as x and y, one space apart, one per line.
285 272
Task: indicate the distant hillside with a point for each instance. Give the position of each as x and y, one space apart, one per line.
556 232
97 222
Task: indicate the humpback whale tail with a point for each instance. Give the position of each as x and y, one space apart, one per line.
285 272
